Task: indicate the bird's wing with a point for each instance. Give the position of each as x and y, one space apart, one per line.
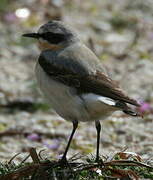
101 84
83 75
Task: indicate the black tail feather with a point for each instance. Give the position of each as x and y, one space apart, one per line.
130 112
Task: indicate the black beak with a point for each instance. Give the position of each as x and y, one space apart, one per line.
32 35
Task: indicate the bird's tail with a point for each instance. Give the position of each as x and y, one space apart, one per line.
126 109
131 112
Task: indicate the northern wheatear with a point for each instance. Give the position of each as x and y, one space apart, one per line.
74 80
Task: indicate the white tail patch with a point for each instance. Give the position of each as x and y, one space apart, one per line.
90 97
107 100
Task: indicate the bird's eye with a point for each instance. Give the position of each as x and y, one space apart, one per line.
53 38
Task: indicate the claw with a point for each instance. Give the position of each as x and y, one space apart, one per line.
64 162
99 161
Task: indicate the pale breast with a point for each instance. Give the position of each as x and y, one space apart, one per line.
62 98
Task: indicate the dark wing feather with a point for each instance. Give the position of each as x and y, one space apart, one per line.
103 85
77 74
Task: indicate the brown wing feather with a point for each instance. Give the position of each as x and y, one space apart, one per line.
103 85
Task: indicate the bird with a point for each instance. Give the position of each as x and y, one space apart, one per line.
75 81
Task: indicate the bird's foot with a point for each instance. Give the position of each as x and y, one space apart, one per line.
99 161
63 162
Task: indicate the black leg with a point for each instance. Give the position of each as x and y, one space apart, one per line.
98 128
75 125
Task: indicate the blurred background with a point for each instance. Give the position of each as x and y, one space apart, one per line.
121 35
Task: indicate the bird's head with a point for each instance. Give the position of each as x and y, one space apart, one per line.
54 35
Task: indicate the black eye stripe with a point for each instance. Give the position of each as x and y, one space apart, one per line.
53 38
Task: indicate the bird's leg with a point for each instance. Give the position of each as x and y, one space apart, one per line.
98 128
75 125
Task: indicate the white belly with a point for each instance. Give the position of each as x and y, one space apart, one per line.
68 104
